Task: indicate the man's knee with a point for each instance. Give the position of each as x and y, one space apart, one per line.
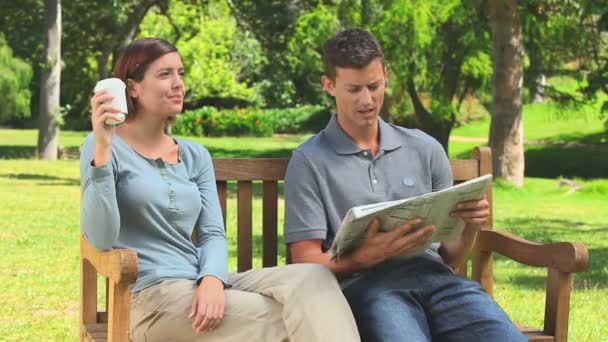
389 317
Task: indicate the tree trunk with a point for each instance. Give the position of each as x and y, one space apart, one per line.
506 128
50 83
435 127
124 35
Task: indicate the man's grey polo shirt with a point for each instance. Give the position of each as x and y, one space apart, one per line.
328 174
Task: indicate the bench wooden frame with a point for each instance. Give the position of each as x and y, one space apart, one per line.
119 266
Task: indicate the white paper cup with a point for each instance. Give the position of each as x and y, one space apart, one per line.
115 87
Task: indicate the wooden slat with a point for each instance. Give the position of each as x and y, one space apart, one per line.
484 156
482 261
118 264
107 294
119 312
464 169
95 332
88 295
564 256
269 224
557 304
250 168
534 334
222 187
244 237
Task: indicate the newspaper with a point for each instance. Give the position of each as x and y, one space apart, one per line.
431 208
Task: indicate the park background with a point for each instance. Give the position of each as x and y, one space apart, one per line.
531 75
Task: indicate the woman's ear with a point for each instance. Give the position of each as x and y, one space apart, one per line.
132 88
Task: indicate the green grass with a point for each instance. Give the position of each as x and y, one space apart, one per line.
39 230
18 144
546 121
559 141
39 221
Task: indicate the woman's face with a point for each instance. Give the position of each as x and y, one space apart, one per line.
161 91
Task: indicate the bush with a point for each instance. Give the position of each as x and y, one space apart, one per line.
210 121
15 94
298 119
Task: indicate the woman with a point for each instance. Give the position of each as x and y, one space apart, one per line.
146 190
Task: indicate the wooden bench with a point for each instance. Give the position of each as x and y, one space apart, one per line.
119 266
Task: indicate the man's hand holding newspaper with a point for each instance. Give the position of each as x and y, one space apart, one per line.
397 218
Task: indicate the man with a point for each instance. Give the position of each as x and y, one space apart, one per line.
359 159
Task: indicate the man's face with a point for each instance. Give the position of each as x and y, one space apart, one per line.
359 95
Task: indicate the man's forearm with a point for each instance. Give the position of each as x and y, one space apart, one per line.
341 268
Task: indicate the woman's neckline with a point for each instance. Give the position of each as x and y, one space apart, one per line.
179 151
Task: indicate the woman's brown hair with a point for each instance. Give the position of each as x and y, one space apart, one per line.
135 60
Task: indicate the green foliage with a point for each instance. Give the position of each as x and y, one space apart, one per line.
216 55
442 46
210 121
260 122
304 52
298 119
15 91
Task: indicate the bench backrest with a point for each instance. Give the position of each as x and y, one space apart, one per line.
272 170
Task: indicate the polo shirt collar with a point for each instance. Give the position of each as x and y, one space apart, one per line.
343 144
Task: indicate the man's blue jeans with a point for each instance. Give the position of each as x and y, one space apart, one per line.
420 299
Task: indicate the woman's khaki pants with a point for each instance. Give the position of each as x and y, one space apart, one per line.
300 302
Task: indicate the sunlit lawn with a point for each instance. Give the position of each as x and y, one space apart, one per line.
39 230
39 223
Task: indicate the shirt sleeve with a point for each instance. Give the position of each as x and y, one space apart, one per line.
305 217
99 215
441 171
211 239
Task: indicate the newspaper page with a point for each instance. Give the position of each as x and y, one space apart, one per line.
432 208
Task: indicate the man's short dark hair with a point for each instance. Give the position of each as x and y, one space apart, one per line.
352 48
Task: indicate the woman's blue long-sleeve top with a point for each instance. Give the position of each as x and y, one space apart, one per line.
153 207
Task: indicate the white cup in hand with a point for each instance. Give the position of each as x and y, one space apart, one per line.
115 87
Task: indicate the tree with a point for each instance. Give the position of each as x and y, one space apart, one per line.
220 59
15 94
273 24
49 119
506 128
436 53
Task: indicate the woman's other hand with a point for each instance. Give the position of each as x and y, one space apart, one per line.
208 305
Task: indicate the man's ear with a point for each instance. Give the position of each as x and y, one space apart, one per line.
132 89
328 85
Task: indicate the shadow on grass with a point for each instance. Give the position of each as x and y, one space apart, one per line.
29 152
595 139
558 230
17 152
550 161
544 230
48 180
567 155
595 277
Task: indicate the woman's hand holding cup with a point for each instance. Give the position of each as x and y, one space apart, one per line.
108 109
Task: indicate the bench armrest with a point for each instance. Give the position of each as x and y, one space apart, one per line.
119 265
567 257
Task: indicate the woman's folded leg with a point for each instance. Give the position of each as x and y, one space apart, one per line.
160 313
